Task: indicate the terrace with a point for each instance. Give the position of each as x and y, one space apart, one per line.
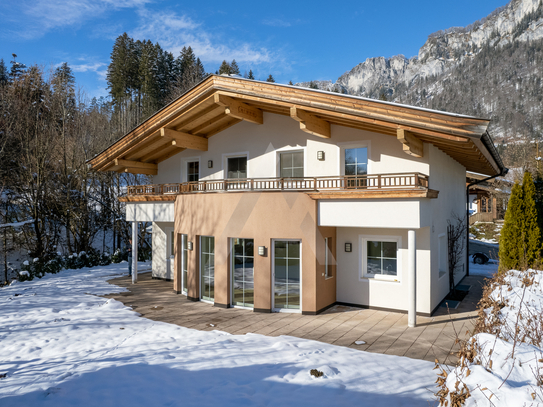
401 185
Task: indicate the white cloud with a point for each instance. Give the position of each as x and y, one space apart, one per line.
44 15
173 32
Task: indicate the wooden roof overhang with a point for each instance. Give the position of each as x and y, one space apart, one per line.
219 102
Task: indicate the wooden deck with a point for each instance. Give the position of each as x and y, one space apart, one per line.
381 331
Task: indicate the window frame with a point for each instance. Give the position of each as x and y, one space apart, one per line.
232 260
185 167
363 257
442 237
345 146
200 266
225 158
280 153
286 310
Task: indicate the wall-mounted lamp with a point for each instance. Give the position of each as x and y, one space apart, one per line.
261 250
348 247
210 164
189 245
320 155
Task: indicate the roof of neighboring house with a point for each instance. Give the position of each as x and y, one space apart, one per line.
221 101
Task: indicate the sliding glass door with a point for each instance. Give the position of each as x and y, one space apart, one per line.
287 267
243 285
207 268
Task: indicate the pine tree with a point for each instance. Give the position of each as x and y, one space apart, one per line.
17 69
510 240
313 85
532 235
4 74
234 68
270 79
290 83
251 75
520 241
225 68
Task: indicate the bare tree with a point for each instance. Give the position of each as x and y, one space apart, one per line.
456 241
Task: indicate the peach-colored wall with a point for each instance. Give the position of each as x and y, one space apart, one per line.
261 216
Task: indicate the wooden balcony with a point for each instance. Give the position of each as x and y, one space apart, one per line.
345 186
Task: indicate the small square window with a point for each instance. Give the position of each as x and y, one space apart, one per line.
380 257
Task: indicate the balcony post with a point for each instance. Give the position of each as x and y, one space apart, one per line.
412 279
417 180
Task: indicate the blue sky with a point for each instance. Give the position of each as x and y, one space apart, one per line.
293 40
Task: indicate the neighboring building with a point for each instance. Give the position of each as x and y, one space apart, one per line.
278 198
487 199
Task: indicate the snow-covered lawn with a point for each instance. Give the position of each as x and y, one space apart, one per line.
62 346
507 365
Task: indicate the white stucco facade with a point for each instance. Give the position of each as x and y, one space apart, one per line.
354 219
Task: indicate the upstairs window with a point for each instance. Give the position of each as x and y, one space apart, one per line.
193 171
237 168
356 161
292 164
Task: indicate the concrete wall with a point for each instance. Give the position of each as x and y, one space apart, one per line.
262 144
162 264
150 211
262 217
449 178
392 293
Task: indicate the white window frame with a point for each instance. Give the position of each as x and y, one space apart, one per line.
169 253
363 257
185 238
232 272
200 268
345 146
289 149
278 160
442 273
286 310
184 167
225 158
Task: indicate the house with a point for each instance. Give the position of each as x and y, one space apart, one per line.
488 199
280 198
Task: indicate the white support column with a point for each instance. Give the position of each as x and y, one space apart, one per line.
134 252
412 278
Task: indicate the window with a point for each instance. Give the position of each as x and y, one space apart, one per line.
292 164
328 256
172 243
193 171
184 263
287 262
243 285
380 256
207 267
237 168
356 161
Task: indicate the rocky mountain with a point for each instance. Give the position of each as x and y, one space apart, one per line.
491 68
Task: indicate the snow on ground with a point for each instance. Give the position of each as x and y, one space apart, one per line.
62 346
508 367
488 270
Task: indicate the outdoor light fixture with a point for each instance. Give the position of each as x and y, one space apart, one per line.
348 247
320 155
210 164
261 250
189 245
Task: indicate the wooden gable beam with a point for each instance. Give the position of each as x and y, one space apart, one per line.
311 124
140 171
411 144
185 140
239 110
135 165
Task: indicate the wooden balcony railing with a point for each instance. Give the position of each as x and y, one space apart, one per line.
344 182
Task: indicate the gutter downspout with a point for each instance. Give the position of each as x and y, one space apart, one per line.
503 172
